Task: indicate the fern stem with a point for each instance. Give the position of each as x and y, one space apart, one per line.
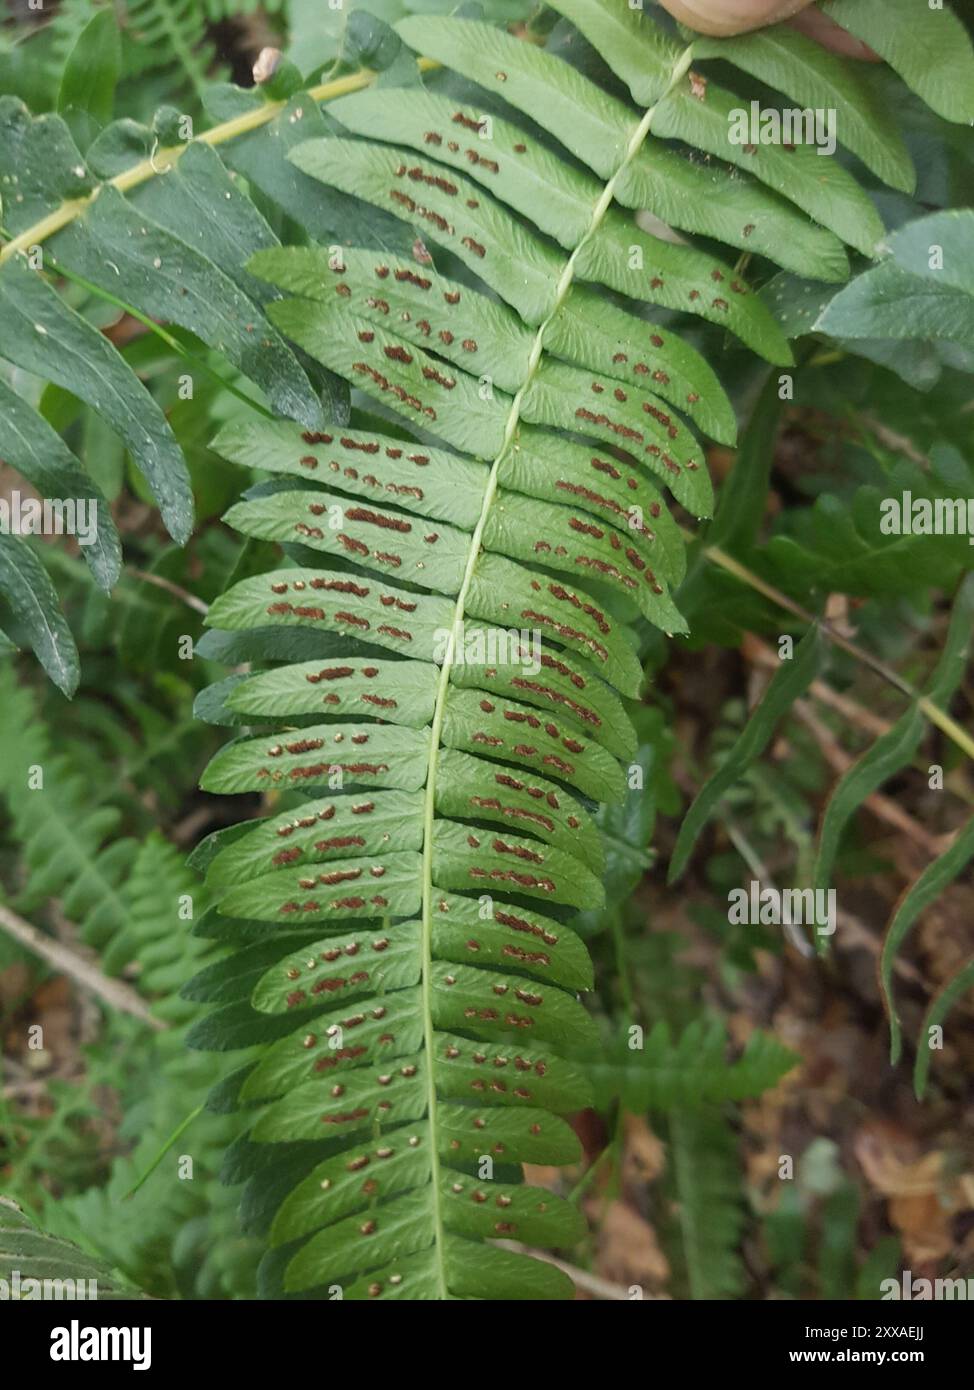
190 600
565 281
161 161
928 708
947 725
589 1176
180 1129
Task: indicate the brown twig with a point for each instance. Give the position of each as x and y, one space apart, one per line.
881 806
85 973
927 707
762 655
899 443
183 595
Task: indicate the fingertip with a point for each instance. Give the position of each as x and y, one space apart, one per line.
723 18
825 31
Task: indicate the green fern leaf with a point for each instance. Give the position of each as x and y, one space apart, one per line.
693 197
43 335
788 684
895 750
689 1071
412 968
192 229
928 47
700 113
935 1016
30 1257
39 454
795 65
171 1237
921 894
706 1183
25 585
168 32
66 848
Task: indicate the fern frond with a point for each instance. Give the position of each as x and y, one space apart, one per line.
232 9
66 26
155 224
494 523
68 852
168 32
132 902
933 1022
173 1235
707 1185
920 895
932 59
508 482
690 1070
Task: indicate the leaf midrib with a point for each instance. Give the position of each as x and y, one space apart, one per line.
562 289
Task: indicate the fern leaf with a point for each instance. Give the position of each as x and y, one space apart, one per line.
804 70
465 1008
689 1071
888 755
895 750
25 585
31 1257
419 947
65 847
86 96
171 1237
838 544
42 335
927 888
696 198
260 156
700 113
40 455
193 228
790 682
170 31
116 246
929 48
67 24
707 1182
521 268
935 1016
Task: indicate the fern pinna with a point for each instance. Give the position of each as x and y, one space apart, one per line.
467 557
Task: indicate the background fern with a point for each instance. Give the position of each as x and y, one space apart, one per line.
178 1235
